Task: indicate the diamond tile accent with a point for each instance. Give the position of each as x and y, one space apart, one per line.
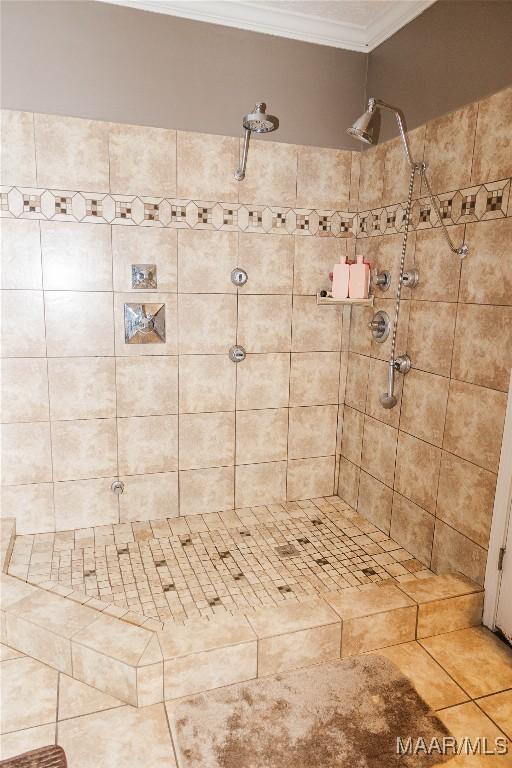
93 207
31 203
123 210
63 205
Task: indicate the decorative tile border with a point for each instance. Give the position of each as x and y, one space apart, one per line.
66 205
462 206
479 203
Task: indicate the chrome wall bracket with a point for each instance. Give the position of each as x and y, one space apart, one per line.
237 353
411 278
239 276
382 279
117 487
402 364
380 326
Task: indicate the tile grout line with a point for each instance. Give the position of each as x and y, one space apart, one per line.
57 708
178 356
118 496
290 371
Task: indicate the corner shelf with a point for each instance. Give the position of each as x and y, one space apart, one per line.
329 301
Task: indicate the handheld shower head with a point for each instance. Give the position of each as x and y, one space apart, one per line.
256 121
387 401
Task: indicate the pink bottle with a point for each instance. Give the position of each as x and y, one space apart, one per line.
359 279
340 279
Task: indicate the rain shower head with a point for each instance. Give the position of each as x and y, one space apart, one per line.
256 121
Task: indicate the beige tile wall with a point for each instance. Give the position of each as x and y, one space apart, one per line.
185 429
426 470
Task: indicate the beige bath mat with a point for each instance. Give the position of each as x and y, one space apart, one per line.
342 715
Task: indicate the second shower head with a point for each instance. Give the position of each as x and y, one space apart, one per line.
364 127
256 121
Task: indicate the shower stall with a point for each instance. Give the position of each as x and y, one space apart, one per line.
365 129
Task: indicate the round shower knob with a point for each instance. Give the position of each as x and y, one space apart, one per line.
237 353
380 326
239 276
117 487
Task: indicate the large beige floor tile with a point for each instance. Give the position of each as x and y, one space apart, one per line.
120 737
114 677
54 613
210 669
375 617
446 603
114 638
429 679
29 694
42 625
440 587
6 653
466 721
499 708
17 742
353 603
282 619
14 590
367 633
77 699
298 649
203 635
475 658
442 616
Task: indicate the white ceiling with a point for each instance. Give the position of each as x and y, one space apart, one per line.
358 25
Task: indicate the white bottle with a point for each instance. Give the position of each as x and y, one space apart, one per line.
359 281
340 278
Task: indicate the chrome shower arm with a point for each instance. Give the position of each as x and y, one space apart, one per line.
240 171
461 250
400 119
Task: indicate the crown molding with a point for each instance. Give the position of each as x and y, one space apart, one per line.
251 16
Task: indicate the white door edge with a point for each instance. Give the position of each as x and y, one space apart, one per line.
500 520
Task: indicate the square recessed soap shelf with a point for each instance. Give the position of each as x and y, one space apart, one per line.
328 300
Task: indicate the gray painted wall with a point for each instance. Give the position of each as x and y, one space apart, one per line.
89 59
456 52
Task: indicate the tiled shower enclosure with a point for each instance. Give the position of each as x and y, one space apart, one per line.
99 211
425 471
105 222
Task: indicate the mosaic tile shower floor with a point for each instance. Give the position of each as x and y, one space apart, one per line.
178 568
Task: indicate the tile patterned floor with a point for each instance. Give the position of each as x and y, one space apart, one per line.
175 569
98 730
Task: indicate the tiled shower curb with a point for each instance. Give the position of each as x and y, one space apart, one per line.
143 666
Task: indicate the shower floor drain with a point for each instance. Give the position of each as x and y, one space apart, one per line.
288 550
